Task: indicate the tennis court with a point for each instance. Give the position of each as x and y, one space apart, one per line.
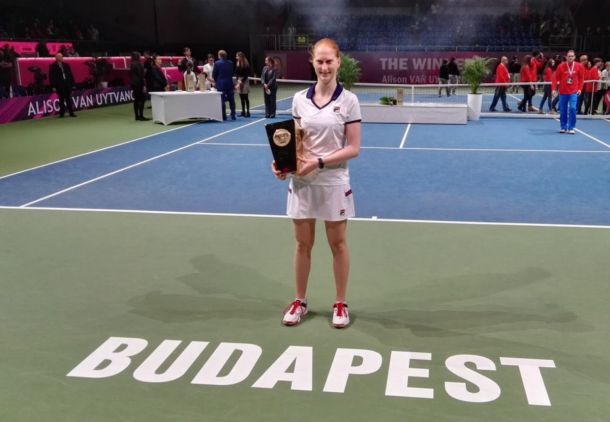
145 278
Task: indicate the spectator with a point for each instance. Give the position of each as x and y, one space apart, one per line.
6 72
514 70
292 32
21 29
78 34
72 52
443 78
93 33
454 73
42 50
62 82
50 30
35 32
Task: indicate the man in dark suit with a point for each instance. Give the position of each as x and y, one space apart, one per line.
188 58
223 80
62 82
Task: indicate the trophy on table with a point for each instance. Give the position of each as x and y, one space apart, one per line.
285 139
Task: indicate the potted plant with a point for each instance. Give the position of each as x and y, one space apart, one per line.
474 71
349 71
387 101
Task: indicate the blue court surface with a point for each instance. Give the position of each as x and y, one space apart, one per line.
493 170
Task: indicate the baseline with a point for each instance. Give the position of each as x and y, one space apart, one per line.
372 219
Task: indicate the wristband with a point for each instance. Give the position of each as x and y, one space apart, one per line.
320 163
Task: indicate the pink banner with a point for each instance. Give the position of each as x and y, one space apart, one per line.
30 47
119 68
37 106
386 67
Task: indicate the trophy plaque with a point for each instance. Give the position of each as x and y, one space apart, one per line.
285 141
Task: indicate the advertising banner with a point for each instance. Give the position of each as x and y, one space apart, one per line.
37 106
409 68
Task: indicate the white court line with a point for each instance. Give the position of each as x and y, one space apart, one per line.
136 164
97 150
434 149
589 136
373 219
404 138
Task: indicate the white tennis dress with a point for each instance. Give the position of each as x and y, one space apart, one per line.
324 194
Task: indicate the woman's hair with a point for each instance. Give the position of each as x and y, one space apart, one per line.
527 60
154 58
548 64
270 60
327 42
241 60
135 56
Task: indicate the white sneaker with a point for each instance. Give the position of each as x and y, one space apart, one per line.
294 312
562 131
340 315
571 132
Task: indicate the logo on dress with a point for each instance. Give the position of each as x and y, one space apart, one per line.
342 213
281 137
336 109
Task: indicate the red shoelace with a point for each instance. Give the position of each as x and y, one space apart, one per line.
293 307
340 309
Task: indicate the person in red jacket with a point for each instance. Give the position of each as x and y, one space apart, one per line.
502 81
570 76
526 78
548 78
536 63
591 88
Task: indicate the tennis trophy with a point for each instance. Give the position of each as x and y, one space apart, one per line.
285 139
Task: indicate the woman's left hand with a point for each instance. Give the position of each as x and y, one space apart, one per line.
307 166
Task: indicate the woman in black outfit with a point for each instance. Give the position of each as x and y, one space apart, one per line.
136 72
158 80
242 72
269 81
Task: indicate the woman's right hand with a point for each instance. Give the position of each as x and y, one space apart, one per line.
278 174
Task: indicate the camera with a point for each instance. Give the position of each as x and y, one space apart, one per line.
37 87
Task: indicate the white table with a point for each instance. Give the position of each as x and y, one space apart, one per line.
171 106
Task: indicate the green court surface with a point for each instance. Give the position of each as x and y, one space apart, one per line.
32 143
72 280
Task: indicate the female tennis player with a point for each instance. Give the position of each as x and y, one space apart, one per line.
329 116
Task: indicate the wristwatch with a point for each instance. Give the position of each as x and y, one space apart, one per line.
320 163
